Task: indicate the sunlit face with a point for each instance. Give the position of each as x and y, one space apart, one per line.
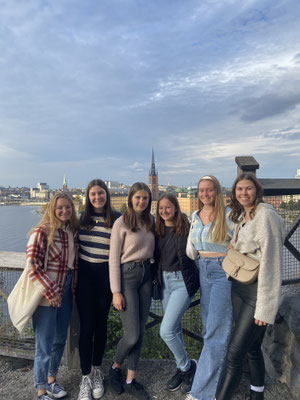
245 192
63 210
97 197
207 192
140 201
166 210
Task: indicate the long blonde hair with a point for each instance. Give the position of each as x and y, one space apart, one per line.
217 231
50 222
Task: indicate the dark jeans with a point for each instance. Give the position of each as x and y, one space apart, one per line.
246 340
136 288
93 297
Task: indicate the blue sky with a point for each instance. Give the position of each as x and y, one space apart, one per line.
88 87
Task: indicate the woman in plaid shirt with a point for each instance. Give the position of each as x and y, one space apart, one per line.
53 242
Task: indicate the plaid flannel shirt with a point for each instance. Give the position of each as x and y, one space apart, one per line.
51 282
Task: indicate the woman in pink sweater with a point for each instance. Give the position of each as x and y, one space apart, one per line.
130 256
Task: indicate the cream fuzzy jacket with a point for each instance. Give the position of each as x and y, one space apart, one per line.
262 239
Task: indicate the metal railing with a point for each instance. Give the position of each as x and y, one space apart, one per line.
12 344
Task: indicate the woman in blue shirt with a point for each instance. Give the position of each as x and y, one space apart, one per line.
210 234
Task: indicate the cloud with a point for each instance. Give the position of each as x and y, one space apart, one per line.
9 153
88 88
268 106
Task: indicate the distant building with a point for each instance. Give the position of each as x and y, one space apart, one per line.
188 202
153 180
298 174
112 184
42 186
153 207
118 201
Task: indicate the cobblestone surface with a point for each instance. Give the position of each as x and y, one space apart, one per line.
16 382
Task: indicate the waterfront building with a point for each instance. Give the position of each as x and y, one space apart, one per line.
42 186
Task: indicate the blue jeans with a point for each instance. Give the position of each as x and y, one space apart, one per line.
50 325
216 312
175 302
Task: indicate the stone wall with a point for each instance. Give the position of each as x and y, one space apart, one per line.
282 344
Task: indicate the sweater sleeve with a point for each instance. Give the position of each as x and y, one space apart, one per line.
191 252
116 244
270 270
269 284
35 258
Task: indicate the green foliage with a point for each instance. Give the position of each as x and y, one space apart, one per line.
123 208
77 199
153 346
291 205
81 208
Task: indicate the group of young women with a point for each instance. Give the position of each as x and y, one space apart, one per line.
107 258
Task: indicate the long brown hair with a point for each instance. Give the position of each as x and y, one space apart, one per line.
217 231
181 223
49 220
130 217
236 208
86 218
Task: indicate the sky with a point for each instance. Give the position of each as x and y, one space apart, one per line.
89 87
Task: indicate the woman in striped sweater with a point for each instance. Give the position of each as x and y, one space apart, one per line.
93 295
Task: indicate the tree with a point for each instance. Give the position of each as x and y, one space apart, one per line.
123 208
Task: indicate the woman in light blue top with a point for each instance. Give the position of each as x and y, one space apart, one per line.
210 233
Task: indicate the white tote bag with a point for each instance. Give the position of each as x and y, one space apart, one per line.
24 299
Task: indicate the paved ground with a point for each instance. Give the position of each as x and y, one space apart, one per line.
16 382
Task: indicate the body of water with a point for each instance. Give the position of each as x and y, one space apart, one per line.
15 223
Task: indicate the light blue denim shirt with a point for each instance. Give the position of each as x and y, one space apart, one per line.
199 240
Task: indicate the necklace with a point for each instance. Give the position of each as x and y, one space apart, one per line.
206 212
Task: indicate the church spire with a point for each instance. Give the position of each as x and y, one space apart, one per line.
64 185
153 171
153 179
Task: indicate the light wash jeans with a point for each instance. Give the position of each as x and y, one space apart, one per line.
216 313
50 325
175 302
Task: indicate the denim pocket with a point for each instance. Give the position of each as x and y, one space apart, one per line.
127 267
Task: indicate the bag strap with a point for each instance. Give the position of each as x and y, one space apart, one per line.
236 232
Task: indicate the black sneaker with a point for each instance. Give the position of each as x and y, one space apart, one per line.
137 390
254 395
115 379
175 382
188 377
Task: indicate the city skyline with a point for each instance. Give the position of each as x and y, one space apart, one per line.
89 88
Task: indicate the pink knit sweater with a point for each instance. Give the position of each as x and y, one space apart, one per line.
126 246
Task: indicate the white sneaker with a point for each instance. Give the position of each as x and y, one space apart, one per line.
97 383
190 397
85 390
